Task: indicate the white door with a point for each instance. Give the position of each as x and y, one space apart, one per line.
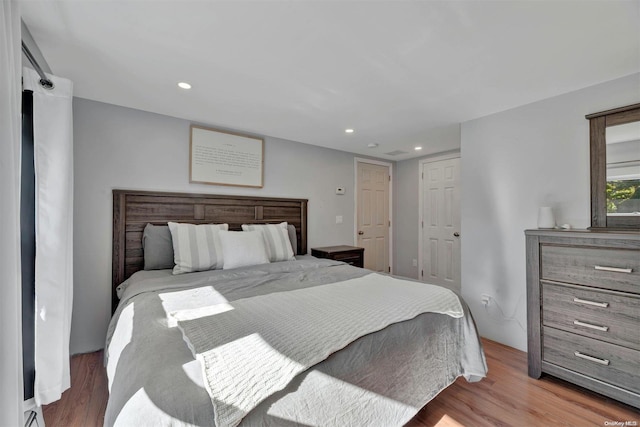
441 223
373 215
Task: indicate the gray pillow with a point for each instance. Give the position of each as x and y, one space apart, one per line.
293 238
157 247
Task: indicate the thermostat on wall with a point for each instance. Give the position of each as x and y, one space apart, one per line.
340 190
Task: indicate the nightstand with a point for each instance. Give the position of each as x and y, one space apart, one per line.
350 254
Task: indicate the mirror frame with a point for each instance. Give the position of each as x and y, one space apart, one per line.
598 123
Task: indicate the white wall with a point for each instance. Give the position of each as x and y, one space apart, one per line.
406 218
117 147
512 163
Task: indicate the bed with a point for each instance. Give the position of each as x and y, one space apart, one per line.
169 334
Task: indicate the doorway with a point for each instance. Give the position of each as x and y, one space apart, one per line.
373 199
439 243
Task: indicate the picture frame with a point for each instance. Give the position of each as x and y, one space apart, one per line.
218 157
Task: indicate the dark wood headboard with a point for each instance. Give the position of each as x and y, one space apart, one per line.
133 210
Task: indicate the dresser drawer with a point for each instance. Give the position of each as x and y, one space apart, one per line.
613 364
617 269
607 316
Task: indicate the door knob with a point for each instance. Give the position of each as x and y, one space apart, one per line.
360 233
456 234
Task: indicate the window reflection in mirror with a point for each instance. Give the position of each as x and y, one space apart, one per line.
623 169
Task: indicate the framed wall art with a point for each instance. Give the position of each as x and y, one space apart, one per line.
225 158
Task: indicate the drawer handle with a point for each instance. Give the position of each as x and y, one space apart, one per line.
614 269
591 358
586 301
589 325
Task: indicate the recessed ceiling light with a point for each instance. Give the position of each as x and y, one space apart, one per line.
184 85
418 148
348 130
372 145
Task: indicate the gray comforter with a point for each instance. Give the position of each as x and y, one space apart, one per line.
381 379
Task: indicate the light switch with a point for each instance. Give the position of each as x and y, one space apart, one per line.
338 219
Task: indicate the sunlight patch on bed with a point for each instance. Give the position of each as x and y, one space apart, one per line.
193 300
121 338
324 391
193 371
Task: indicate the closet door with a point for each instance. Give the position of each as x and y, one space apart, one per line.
441 223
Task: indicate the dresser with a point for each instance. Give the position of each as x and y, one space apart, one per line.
350 254
583 309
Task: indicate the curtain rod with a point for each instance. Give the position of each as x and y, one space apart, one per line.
44 81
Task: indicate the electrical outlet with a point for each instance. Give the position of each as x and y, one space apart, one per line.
486 299
415 262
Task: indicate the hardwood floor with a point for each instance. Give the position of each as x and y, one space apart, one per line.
82 405
507 397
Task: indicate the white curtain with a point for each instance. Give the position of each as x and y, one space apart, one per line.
11 392
53 160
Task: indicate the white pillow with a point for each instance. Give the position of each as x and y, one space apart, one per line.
276 240
196 247
242 249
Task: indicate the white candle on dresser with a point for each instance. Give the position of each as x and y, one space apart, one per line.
546 218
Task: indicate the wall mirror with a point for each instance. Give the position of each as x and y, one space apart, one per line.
615 168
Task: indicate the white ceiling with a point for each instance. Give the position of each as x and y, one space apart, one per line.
401 73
